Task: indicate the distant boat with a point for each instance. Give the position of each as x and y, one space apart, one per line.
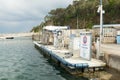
9 37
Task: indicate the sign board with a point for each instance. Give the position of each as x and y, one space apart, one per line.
85 45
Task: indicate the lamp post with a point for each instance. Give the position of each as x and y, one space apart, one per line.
101 22
101 11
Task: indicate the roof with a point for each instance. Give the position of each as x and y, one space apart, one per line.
108 25
53 28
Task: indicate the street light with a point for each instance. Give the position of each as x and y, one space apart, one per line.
101 11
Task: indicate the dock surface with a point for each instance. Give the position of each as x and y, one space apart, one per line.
73 62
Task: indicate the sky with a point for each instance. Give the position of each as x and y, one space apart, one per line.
21 15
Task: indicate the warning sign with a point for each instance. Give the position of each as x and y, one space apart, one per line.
85 45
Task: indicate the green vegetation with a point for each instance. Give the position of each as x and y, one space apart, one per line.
86 12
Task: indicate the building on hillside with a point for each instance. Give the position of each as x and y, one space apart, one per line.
110 31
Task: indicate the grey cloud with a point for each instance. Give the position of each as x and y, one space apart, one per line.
22 15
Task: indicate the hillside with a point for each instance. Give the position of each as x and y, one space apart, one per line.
85 12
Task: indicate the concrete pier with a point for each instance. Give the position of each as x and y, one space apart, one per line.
2 36
71 63
112 55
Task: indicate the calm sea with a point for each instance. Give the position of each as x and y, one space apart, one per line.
19 60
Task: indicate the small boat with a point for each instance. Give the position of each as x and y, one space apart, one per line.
9 37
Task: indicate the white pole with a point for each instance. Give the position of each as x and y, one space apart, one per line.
101 26
98 48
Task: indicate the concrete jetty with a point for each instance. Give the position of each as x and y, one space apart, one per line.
112 55
71 63
3 36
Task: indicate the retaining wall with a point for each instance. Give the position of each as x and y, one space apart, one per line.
113 61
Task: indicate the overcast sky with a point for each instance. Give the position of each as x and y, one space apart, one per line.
22 15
